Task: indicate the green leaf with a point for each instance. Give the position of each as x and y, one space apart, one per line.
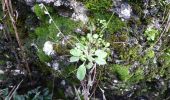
76 52
90 58
80 46
81 72
107 45
89 65
74 59
100 53
89 37
100 61
82 57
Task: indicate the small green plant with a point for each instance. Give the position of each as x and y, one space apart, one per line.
151 33
91 50
150 53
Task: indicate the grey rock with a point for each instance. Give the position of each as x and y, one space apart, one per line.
79 31
79 11
123 10
55 65
1 27
154 11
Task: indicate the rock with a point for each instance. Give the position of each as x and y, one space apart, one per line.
156 23
1 27
63 82
123 10
48 48
153 11
142 98
1 72
115 81
168 1
79 31
17 72
69 92
55 65
45 1
132 41
58 3
79 11
65 3
30 2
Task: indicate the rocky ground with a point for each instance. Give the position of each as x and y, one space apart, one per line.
137 61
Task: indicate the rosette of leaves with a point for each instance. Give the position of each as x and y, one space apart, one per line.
91 50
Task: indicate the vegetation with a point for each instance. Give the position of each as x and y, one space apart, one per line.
107 57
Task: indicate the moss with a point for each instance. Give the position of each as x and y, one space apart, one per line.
128 78
150 53
130 54
121 71
43 57
137 9
1 12
137 76
143 59
66 25
117 41
118 38
2 62
147 20
97 5
164 60
133 21
48 31
160 69
61 49
151 34
115 24
40 11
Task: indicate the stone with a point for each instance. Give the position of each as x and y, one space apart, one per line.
123 10
48 48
